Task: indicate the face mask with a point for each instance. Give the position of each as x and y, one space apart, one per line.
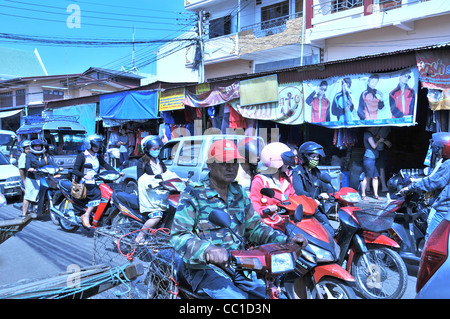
154 154
313 163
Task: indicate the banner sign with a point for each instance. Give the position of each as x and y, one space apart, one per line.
363 99
288 110
434 68
171 100
434 73
216 96
259 90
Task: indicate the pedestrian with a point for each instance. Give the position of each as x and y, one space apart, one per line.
370 165
383 132
123 145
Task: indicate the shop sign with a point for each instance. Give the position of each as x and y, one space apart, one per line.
171 99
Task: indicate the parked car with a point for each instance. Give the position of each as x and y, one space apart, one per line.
8 145
182 155
9 178
433 277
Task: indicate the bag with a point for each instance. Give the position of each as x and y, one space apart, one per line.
78 190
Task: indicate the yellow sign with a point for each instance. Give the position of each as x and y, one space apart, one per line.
171 100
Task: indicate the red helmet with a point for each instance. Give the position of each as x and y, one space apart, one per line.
440 142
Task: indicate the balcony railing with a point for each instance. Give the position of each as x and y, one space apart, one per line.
326 7
333 6
272 26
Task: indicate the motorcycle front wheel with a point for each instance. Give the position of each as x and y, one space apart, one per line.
332 288
380 273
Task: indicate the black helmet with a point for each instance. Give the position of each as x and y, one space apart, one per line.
93 141
34 144
150 141
308 148
250 149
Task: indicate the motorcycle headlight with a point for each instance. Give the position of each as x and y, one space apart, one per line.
322 255
248 262
282 263
352 197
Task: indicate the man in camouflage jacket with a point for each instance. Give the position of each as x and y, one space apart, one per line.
200 242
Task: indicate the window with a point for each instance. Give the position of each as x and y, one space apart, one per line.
190 153
53 95
274 15
20 97
168 152
219 27
6 99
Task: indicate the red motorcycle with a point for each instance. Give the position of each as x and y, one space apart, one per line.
270 262
68 210
367 254
318 275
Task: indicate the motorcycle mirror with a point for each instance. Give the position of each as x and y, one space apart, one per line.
190 174
220 218
298 214
158 176
325 177
267 192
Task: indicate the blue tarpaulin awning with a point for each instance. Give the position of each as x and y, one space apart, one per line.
130 105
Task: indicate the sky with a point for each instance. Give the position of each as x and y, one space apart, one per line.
73 35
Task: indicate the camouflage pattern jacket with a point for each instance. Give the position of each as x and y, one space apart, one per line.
192 233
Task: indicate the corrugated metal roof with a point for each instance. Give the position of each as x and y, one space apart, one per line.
382 62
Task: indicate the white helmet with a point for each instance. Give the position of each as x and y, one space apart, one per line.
271 154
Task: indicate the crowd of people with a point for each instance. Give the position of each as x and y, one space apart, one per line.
234 184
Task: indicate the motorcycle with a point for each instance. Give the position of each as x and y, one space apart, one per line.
370 256
270 262
411 214
125 207
68 210
318 275
49 177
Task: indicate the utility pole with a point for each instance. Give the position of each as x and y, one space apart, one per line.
200 46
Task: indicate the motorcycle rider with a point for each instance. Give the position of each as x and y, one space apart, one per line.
35 159
93 144
274 156
438 182
152 202
306 178
250 149
199 242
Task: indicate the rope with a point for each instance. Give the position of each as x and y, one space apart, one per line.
112 276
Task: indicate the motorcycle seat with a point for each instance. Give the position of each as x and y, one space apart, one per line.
66 185
129 200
